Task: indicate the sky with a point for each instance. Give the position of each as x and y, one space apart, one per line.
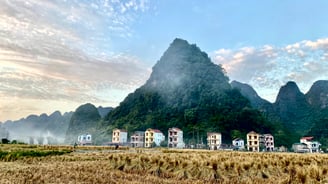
59 54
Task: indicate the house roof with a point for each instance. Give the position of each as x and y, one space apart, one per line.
121 130
213 133
138 133
300 144
307 138
175 128
157 131
252 132
154 130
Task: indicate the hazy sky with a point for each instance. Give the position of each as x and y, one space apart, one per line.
59 54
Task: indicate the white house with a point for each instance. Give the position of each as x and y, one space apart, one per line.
153 136
238 144
313 146
253 141
175 138
84 139
214 140
119 136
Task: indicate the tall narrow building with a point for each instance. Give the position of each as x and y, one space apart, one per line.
175 138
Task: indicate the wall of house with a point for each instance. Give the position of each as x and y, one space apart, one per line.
253 142
178 135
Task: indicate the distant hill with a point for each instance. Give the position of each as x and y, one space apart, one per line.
188 91
86 119
317 96
256 101
293 109
54 125
302 114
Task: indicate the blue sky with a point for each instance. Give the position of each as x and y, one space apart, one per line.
59 54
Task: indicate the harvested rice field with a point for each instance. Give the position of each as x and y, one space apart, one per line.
64 164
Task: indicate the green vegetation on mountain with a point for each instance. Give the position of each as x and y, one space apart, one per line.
319 129
188 91
293 109
84 120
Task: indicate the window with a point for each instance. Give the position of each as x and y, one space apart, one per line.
255 142
255 137
249 137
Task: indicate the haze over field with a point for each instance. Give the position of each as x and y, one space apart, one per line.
58 54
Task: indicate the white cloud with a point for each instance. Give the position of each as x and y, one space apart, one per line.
60 51
268 67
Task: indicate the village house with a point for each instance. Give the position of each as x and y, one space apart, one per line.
300 148
267 142
119 136
313 146
137 139
253 141
238 144
84 139
175 138
282 149
153 137
214 140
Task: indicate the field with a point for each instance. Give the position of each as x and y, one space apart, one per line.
61 164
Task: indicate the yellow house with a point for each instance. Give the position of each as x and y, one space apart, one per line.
253 141
153 136
119 136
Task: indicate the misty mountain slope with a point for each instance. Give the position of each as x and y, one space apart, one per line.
187 90
84 120
255 100
55 125
103 111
